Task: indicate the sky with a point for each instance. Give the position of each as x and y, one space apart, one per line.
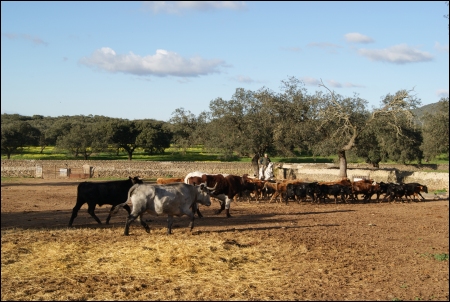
144 60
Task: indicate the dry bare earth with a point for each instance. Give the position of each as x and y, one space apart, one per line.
265 252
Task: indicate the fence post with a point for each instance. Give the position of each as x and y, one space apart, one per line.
38 172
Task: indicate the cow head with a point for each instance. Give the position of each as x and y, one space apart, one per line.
136 180
203 195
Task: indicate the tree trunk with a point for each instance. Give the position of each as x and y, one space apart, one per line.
342 164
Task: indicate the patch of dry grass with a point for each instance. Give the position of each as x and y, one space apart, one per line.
101 264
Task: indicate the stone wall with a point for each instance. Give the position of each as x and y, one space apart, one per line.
152 170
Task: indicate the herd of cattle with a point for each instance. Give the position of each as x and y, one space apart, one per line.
178 197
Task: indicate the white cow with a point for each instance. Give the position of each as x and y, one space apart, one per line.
175 199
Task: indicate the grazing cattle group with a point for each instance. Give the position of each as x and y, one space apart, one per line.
178 196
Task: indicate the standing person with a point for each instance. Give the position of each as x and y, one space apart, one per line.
255 165
264 162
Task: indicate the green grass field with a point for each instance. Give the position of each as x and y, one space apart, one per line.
192 154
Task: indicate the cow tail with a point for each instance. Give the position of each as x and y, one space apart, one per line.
121 205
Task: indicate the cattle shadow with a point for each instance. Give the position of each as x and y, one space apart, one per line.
59 219
198 232
43 184
241 220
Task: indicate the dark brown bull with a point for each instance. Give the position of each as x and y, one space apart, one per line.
225 188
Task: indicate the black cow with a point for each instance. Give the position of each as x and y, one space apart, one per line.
323 190
383 189
100 193
395 192
310 189
300 191
414 188
290 192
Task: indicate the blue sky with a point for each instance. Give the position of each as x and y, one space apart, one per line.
143 60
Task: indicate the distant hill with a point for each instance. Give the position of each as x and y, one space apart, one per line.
420 112
430 108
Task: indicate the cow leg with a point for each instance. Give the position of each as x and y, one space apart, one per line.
169 224
91 209
126 207
144 224
130 219
222 207
75 210
191 224
195 209
274 197
227 206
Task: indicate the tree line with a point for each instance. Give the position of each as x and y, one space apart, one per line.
321 123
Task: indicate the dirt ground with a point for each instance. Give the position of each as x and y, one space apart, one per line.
374 251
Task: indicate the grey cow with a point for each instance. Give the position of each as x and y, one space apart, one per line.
175 199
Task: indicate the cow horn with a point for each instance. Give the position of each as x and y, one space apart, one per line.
212 189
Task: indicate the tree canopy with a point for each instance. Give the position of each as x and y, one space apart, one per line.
286 123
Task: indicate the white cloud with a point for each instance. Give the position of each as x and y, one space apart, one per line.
315 82
243 79
174 7
357 38
439 47
334 84
163 63
442 93
351 85
310 81
34 40
398 54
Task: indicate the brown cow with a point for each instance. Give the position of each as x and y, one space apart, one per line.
163 181
279 188
225 188
255 188
366 187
